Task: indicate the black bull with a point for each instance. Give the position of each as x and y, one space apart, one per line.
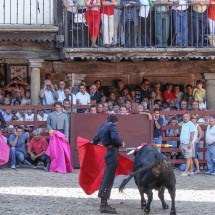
152 170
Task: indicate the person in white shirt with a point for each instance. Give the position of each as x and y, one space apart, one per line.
60 92
210 141
82 97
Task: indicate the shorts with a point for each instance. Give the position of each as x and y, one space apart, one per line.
195 150
188 153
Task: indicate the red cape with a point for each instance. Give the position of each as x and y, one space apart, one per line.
92 164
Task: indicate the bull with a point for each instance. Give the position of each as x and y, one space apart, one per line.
152 170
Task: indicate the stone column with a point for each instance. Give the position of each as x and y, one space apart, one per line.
35 65
210 89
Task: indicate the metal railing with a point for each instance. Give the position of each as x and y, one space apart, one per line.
140 26
27 12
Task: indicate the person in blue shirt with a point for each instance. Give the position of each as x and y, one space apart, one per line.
17 142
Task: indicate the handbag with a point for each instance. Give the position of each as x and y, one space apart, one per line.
79 18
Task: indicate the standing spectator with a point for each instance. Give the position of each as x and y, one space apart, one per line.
57 120
107 17
189 95
168 95
199 12
197 137
119 91
199 93
178 94
162 22
93 20
186 143
70 96
82 97
37 148
129 20
180 20
18 141
211 17
48 94
156 93
60 92
95 96
158 123
27 98
142 91
210 141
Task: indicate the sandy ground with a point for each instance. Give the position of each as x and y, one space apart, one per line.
33 191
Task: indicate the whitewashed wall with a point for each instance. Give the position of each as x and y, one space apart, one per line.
26 12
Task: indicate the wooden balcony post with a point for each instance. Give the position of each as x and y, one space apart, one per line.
35 65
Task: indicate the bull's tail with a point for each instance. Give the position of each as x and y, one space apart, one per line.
142 170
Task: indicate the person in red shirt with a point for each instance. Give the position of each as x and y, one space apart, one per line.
37 148
168 95
107 17
211 17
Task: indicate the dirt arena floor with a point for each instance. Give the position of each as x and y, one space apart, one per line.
33 191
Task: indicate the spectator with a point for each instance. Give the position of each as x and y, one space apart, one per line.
17 96
199 93
110 107
61 91
37 148
95 96
100 108
128 106
116 108
197 137
27 98
16 103
120 101
57 120
189 95
129 20
140 108
123 110
142 91
93 19
179 95
158 123
105 107
29 116
93 109
2 121
211 17
119 91
107 17
103 99
7 101
112 97
204 120
8 115
183 105
172 133
41 116
18 141
210 137
70 96
156 93
48 94
21 115
98 84
82 97
180 21
168 95
195 106
186 143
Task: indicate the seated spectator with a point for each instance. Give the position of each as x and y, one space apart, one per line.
123 110
120 101
100 108
105 107
112 97
116 108
27 98
95 96
8 115
199 93
156 105
16 103
133 95
172 133
189 95
41 116
156 93
48 94
183 105
128 106
103 99
83 98
17 96
7 101
18 141
61 91
178 94
195 106
168 95
37 148
93 109
140 108
110 108
29 116
21 115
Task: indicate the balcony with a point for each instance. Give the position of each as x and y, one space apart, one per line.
175 32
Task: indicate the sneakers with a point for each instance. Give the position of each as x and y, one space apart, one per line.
184 174
190 173
197 172
13 167
213 173
27 163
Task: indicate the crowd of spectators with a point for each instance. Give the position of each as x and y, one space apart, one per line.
142 23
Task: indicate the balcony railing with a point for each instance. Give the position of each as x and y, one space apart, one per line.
27 12
140 26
